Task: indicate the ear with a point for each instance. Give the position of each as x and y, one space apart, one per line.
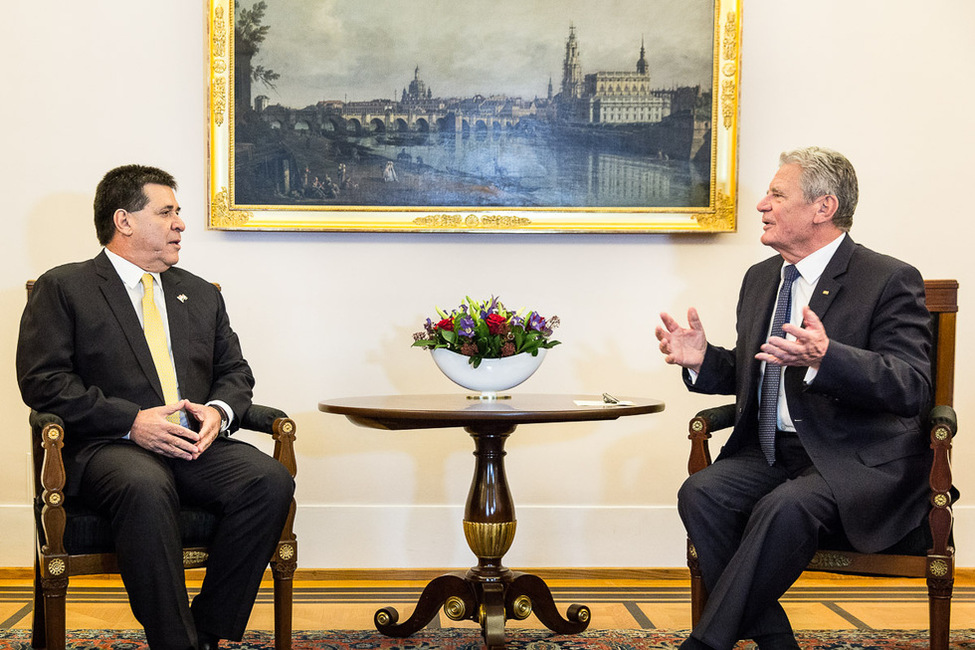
123 222
826 207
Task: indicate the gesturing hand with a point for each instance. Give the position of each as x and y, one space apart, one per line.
684 347
807 350
151 430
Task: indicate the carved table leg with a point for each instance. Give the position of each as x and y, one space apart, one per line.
488 593
528 594
492 615
451 589
489 526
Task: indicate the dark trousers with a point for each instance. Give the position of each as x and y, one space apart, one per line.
755 529
141 492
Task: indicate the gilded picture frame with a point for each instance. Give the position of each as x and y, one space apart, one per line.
421 116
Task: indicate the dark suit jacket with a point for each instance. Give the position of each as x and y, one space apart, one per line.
82 354
860 418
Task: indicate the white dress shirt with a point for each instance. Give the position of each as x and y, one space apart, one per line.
131 276
810 270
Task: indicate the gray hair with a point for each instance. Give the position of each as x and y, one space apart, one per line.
823 171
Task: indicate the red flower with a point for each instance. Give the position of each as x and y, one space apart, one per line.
446 324
495 323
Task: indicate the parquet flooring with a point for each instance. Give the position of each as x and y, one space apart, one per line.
325 601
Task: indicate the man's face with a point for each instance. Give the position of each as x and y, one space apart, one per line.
157 229
787 217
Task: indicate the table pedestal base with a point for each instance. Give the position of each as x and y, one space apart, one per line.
489 602
488 593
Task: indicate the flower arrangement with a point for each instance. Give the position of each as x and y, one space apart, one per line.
487 330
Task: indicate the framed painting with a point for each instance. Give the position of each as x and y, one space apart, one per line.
515 116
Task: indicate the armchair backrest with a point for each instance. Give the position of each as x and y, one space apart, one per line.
942 301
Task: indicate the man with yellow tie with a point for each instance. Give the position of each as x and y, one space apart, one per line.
139 359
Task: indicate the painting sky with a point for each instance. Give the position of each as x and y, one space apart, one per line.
356 50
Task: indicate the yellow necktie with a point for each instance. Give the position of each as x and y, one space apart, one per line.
155 333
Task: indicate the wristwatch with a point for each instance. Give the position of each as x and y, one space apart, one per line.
224 418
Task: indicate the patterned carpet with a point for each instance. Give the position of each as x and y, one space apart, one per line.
522 639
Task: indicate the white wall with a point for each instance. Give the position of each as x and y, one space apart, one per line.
91 85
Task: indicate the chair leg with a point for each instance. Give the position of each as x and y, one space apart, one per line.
54 592
38 638
941 582
939 614
699 593
283 566
699 598
283 604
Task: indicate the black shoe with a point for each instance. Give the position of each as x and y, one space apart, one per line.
781 641
207 641
690 643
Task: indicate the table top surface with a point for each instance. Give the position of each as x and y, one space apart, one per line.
459 410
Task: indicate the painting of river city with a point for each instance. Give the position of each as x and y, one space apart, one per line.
436 104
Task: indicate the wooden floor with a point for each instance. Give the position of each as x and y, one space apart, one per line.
626 599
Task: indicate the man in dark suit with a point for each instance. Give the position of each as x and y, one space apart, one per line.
148 414
838 448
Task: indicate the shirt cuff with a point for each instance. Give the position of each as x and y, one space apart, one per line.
226 411
810 375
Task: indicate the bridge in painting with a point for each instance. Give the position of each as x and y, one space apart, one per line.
390 117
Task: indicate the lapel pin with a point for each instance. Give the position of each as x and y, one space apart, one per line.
181 297
825 292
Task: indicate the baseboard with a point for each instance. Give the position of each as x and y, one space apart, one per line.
549 573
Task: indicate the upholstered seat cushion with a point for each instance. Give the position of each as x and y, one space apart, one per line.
86 531
916 542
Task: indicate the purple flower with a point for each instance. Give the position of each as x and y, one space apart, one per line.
536 322
494 307
465 326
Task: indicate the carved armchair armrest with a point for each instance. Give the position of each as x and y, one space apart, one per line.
47 439
944 415
700 428
276 423
944 425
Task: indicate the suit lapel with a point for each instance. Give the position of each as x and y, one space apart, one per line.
765 299
759 302
118 301
830 284
828 287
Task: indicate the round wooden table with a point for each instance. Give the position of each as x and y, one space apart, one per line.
489 592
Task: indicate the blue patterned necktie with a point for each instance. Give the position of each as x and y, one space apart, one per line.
769 406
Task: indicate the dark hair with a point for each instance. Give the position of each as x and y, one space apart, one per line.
122 188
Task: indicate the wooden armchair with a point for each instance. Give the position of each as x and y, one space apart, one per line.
928 551
73 540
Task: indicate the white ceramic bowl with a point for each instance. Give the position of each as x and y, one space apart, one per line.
491 375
